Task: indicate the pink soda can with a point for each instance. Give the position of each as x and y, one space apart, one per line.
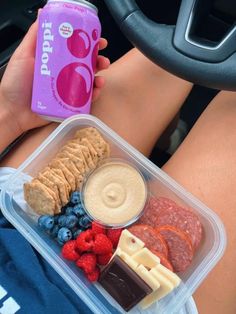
66 55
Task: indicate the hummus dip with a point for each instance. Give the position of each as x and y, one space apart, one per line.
115 194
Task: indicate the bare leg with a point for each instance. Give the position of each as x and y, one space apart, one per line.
138 102
206 165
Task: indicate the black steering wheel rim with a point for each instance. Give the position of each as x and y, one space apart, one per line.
171 47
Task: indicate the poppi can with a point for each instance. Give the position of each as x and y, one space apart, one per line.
66 55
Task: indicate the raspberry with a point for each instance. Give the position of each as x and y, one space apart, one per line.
93 276
96 228
69 251
102 245
104 259
84 241
114 236
87 262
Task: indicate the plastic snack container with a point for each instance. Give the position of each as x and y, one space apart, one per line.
19 214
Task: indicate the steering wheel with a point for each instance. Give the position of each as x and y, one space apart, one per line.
176 48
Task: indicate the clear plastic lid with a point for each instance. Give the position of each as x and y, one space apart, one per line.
159 183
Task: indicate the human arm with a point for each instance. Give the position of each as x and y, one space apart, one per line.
16 116
138 101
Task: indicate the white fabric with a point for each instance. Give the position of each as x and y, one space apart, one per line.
5 173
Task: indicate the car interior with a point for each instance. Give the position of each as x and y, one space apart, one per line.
209 25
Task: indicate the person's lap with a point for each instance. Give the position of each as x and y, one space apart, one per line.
204 163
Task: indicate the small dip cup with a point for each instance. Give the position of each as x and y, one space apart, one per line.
112 192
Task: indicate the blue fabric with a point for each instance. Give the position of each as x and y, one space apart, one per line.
30 280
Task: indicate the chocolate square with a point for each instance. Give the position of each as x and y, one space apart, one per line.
123 284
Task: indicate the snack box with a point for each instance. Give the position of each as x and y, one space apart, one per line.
19 214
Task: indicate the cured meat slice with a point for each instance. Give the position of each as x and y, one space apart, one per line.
180 251
164 261
152 239
163 211
183 219
153 209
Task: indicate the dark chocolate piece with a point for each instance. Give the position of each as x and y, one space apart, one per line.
123 284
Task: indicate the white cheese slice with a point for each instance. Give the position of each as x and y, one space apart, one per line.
129 243
168 274
146 258
126 258
165 288
145 275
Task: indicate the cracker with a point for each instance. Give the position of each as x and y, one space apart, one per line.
78 162
77 152
58 172
51 187
63 193
93 153
58 164
39 199
86 142
95 138
85 151
69 164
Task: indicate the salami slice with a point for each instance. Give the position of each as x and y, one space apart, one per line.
152 239
180 251
153 209
183 219
164 261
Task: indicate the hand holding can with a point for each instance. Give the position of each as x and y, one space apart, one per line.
66 57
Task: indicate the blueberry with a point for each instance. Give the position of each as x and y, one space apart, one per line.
85 222
62 221
76 233
54 231
64 235
41 220
75 198
69 210
63 209
78 210
60 242
71 221
56 218
46 222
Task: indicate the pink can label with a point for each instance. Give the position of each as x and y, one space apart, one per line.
67 48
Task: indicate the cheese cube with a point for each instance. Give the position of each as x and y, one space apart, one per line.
168 274
165 288
129 243
146 258
147 277
126 258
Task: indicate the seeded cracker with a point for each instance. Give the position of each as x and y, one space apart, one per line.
85 142
77 153
78 177
58 172
38 198
93 153
60 185
58 164
96 140
51 187
78 162
85 151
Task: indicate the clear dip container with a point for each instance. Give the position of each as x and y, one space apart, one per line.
126 223
20 215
